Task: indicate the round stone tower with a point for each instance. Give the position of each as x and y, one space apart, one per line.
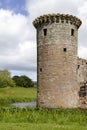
57 42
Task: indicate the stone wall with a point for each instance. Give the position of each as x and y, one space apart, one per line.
57 37
82 70
82 79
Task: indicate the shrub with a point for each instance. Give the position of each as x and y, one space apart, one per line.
23 81
6 82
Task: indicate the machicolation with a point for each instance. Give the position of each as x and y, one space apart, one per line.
61 75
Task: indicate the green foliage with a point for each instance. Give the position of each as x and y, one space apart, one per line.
23 81
17 80
5 73
5 79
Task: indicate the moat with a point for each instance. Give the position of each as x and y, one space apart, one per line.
24 104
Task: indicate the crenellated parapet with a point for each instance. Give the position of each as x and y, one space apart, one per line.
57 68
51 18
81 61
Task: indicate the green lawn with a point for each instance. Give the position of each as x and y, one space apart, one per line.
42 119
18 94
29 126
12 118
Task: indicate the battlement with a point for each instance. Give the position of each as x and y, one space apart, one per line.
57 69
63 18
81 61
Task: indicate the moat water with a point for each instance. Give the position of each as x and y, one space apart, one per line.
24 104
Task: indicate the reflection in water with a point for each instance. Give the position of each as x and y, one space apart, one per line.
24 104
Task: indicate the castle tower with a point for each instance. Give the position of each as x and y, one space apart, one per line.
57 38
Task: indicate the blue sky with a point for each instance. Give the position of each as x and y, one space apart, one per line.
18 36
18 6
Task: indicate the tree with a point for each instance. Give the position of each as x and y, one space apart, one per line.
5 79
5 73
17 80
23 81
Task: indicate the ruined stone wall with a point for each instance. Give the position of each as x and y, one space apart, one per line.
83 102
82 70
57 37
82 79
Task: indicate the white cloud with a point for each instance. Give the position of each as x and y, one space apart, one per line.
82 13
83 52
77 8
17 34
83 9
40 7
17 48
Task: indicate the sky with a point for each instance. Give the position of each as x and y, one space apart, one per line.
18 36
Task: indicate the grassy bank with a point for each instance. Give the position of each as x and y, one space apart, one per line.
29 126
42 119
12 118
17 94
39 115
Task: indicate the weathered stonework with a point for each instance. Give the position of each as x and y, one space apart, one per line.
58 73
82 79
82 70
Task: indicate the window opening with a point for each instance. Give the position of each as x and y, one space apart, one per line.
40 69
66 21
57 20
78 66
62 20
83 91
64 49
72 32
45 32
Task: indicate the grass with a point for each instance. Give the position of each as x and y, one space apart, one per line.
29 126
18 94
39 115
42 119
12 118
